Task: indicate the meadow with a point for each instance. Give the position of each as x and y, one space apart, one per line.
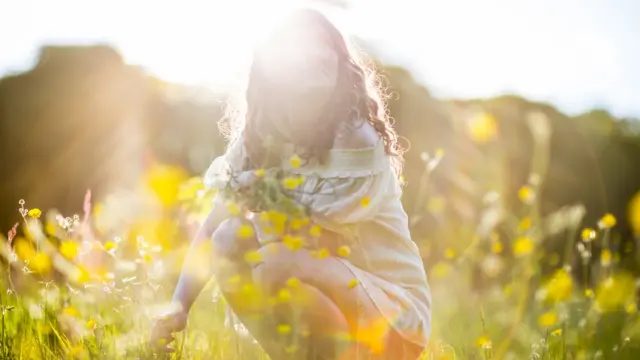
89 285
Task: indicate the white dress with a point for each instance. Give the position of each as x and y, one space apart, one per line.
356 194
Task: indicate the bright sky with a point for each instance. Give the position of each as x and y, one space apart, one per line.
576 54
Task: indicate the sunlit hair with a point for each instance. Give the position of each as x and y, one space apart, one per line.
356 98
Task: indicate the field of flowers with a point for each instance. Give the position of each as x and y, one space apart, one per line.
89 285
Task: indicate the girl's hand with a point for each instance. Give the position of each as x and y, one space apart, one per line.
243 185
164 328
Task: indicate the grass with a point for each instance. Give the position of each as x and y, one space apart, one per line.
90 286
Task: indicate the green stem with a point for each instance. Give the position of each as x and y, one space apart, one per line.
422 191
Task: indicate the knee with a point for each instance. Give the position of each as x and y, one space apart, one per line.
226 238
278 265
227 229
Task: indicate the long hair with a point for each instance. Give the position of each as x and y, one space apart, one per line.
354 98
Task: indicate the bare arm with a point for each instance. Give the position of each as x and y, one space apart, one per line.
198 267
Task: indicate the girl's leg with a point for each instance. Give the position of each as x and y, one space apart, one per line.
330 277
253 301
332 304
374 337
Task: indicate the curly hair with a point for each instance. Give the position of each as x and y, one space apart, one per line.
356 98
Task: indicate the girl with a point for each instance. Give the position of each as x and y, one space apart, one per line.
362 280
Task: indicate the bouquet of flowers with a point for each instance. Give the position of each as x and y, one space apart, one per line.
265 190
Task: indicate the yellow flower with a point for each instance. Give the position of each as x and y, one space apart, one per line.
91 324
353 283
365 201
35 213
233 208
483 342
245 231
260 173
298 223
525 224
633 213
482 128
293 283
526 194
253 257
76 350
605 257
69 249
496 247
588 293
441 269
165 182
293 243
23 248
615 292
249 289
81 275
190 189
295 161
607 221
110 245
588 234
284 329
323 253
71 311
560 286
344 251
556 332
51 227
522 246
278 220
449 253
98 209
292 182
284 295
548 319
373 335
235 279
315 230
40 263
631 308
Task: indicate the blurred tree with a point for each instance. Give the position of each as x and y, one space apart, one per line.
73 122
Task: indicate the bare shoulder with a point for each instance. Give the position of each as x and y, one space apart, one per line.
359 136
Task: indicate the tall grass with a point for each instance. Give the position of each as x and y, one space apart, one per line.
90 285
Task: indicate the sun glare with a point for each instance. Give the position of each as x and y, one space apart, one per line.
193 42
208 45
